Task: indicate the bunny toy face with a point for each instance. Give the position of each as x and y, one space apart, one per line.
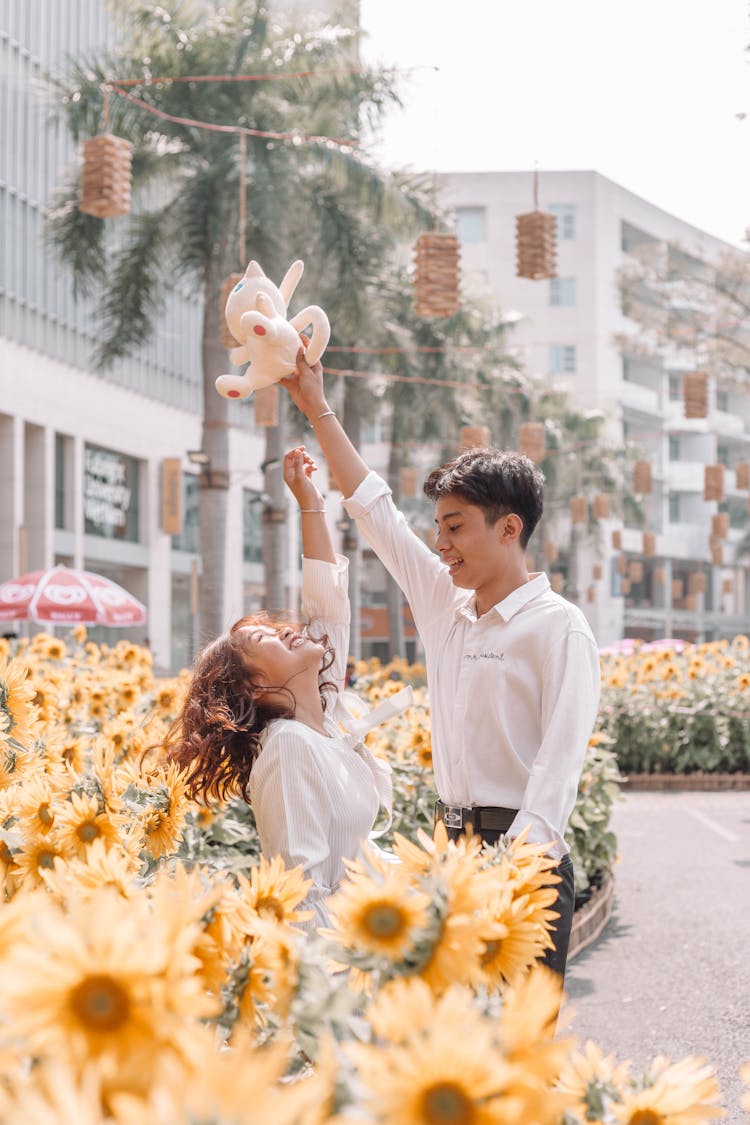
256 316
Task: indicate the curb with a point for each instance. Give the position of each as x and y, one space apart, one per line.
590 920
676 782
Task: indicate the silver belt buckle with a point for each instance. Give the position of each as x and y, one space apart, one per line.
453 816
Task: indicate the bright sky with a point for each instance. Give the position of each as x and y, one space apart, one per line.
647 92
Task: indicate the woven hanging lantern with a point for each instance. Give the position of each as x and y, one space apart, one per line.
531 440
678 589
727 586
717 554
720 525
106 176
436 274
635 570
660 575
474 437
691 602
601 505
713 483
550 552
266 401
642 482
617 540
536 245
695 394
625 586
621 564
649 544
591 594
697 583
597 572
557 582
579 509
408 481
742 475
227 339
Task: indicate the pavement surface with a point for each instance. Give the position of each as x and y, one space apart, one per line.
670 974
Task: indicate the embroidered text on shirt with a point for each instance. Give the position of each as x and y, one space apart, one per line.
484 656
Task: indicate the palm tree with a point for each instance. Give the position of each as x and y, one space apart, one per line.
185 222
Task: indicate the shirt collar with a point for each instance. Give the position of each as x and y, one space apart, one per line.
537 584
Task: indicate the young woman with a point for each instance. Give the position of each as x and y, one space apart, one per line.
263 718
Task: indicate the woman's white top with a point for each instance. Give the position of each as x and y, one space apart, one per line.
316 797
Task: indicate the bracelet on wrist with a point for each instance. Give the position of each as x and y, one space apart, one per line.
309 511
326 413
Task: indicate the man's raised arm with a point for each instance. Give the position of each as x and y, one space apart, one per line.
308 394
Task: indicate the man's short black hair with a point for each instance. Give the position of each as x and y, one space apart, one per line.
497 482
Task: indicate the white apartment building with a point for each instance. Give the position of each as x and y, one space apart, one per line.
567 334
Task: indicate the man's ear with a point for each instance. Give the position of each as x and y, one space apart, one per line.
511 528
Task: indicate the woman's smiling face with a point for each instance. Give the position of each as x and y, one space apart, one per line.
279 654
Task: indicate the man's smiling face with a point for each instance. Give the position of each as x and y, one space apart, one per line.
470 548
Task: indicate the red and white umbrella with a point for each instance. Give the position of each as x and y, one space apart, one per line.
62 595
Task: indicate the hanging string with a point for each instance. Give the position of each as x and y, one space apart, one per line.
337 73
105 108
243 199
342 142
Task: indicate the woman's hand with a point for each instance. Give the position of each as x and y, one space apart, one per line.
298 469
306 386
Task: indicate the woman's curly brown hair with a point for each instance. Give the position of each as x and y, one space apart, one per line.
215 739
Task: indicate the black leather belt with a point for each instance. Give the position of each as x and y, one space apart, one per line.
488 817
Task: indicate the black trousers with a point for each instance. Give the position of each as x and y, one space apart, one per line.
557 957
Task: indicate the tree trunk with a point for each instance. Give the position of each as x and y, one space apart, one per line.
275 532
214 478
352 423
393 596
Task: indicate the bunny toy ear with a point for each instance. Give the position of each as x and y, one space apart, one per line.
254 270
291 280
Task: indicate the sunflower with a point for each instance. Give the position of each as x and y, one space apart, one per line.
81 820
521 940
275 892
105 979
37 803
18 715
167 695
674 1094
382 915
102 867
55 649
589 1076
743 681
164 821
37 855
528 1022
448 1072
421 747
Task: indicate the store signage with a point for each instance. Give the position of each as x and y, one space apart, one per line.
171 496
108 486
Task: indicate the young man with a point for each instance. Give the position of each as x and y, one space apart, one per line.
512 668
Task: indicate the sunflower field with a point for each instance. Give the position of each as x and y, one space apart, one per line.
152 971
679 709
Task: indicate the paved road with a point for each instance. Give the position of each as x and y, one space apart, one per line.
671 973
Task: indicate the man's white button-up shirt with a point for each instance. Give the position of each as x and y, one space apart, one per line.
513 694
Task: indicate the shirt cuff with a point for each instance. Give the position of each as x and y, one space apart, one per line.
325 590
366 495
540 832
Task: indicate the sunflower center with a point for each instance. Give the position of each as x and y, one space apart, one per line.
384 920
46 859
645 1117
44 814
491 951
100 1003
87 831
447 1104
269 904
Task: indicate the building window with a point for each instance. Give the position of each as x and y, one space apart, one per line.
563 359
675 388
722 400
471 224
566 220
252 526
674 447
562 292
110 494
674 507
59 481
189 537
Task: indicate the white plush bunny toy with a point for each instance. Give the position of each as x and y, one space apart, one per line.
256 315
